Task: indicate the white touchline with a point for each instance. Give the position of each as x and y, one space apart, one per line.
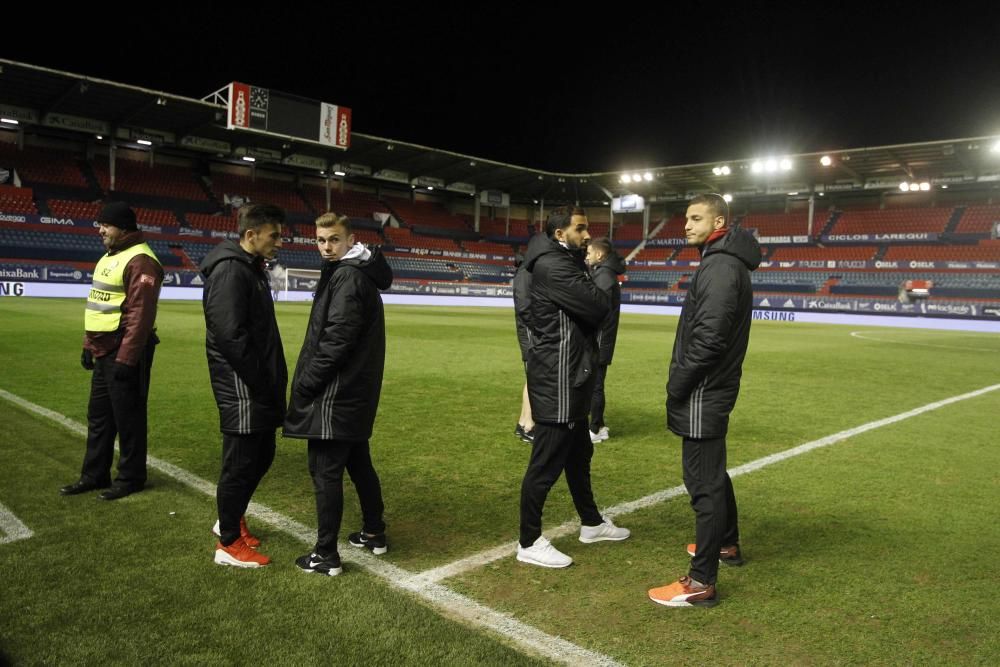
450 603
862 335
502 551
11 528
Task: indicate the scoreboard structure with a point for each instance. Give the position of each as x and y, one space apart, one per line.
264 110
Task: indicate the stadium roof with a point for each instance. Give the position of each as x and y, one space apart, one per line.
71 105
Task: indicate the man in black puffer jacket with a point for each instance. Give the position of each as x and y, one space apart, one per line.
336 389
705 370
565 314
247 366
605 267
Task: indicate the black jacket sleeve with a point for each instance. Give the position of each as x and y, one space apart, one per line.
711 322
227 310
522 296
570 287
345 323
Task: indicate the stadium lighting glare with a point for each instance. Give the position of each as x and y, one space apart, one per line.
757 167
99 137
636 178
996 147
786 164
944 187
717 171
648 177
925 186
726 170
914 187
9 121
792 194
728 197
604 203
770 165
430 188
822 194
534 201
339 173
904 186
625 178
247 158
826 160
147 142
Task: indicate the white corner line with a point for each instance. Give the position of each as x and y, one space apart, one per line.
487 556
13 529
446 602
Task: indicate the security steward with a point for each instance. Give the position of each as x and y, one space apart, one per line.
118 347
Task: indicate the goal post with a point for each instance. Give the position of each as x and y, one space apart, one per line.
298 285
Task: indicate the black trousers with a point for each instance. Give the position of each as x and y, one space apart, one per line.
245 461
117 408
557 447
597 400
713 502
327 460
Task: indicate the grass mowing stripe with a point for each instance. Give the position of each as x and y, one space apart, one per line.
11 527
864 336
489 555
450 603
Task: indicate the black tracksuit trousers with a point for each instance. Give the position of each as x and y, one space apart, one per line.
557 447
245 461
713 502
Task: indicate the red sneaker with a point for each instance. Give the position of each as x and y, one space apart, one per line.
252 541
239 554
683 593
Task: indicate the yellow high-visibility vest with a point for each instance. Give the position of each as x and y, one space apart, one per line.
107 293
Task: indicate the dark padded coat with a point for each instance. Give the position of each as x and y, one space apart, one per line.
338 377
246 361
566 312
712 338
605 276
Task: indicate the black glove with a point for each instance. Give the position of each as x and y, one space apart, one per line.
126 373
87 359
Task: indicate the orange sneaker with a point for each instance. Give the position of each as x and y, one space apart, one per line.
683 593
727 555
239 554
252 541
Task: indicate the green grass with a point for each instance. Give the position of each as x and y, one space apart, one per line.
872 550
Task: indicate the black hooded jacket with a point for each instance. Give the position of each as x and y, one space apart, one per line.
565 314
246 361
605 276
712 338
338 377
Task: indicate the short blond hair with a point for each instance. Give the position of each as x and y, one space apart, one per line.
331 219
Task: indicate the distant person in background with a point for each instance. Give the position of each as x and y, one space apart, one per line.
522 305
246 363
336 389
565 315
118 345
605 267
705 369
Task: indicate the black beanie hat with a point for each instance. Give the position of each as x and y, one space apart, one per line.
118 214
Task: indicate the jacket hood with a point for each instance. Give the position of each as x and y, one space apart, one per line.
740 244
373 264
614 262
540 244
226 250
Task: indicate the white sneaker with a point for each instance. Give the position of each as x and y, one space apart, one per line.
605 531
604 434
543 553
595 437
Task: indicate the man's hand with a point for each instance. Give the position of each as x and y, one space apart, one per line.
126 373
87 359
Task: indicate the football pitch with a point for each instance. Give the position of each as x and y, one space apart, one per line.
870 533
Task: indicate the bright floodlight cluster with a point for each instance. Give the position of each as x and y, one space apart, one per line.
914 187
636 178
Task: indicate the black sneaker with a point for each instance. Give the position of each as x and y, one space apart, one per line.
374 543
328 565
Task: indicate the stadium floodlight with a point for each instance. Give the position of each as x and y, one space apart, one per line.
717 171
770 165
534 201
647 177
728 197
247 158
340 173
925 186
726 170
996 147
826 160
636 178
757 167
914 187
904 186
99 137
792 194
9 121
786 164
625 178
430 187
944 187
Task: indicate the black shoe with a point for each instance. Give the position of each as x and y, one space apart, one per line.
374 543
328 565
116 492
82 486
